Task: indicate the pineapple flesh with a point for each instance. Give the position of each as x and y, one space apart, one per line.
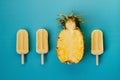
70 43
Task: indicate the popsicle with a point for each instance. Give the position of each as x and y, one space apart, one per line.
42 43
97 44
22 43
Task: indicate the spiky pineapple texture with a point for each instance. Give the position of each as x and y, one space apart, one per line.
76 19
70 43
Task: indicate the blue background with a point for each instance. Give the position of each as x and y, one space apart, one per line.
34 14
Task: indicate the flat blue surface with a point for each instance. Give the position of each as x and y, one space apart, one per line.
34 14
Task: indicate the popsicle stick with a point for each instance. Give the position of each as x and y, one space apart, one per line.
97 60
42 58
22 58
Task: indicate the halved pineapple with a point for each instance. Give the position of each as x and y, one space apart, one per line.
70 44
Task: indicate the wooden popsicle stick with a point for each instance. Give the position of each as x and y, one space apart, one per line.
22 58
97 60
42 59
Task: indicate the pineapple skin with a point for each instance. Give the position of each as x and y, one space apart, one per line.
70 46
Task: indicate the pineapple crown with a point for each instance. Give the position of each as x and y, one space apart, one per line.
71 17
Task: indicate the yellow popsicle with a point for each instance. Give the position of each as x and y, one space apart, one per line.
97 44
22 43
42 43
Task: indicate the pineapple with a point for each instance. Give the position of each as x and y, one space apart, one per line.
70 43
